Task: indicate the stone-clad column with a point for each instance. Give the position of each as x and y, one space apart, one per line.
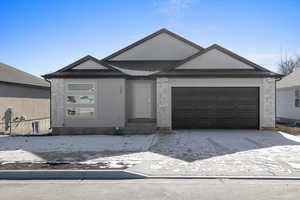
162 105
269 103
57 102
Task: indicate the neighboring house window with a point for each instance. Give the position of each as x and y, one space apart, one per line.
80 100
297 98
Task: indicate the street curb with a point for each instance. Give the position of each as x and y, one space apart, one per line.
229 177
67 175
113 175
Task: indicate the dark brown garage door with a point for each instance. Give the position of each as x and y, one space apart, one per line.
227 107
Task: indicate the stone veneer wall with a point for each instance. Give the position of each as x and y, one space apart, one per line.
269 103
163 107
57 102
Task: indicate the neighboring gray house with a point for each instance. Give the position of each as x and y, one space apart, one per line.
24 99
166 82
288 98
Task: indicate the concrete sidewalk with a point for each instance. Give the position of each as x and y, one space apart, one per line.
150 189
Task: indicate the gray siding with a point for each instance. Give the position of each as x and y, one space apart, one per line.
29 102
286 104
161 47
214 59
110 104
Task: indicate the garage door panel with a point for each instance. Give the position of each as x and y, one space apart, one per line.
226 107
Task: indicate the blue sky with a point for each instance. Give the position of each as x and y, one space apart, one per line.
41 36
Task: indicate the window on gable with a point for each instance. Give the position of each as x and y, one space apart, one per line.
297 98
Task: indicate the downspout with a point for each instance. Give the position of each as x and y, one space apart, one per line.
50 102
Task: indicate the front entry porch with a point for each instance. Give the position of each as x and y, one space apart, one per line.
140 106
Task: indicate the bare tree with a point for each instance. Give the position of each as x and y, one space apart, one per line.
288 65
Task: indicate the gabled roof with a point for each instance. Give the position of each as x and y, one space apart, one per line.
223 50
161 68
9 74
150 37
291 80
82 60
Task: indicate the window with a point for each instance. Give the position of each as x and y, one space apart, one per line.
297 98
81 87
81 99
80 112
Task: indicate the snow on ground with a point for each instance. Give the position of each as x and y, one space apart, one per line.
205 152
70 148
65 144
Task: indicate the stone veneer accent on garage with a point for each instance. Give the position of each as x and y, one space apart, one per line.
57 102
162 96
269 103
267 95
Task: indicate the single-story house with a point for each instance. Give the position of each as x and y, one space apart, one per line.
24 99
288 98
162 82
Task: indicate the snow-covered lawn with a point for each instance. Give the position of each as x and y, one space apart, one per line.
203 152
81 149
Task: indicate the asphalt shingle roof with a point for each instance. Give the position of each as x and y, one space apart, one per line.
10 74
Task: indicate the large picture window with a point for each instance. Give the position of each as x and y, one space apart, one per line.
297 98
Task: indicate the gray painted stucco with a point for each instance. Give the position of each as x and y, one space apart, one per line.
267 96
286 104
214 59
161 47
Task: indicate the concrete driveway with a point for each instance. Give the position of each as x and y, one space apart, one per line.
225 153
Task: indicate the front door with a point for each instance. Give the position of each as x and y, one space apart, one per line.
141 99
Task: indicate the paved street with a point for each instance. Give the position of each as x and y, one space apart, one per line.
150 189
